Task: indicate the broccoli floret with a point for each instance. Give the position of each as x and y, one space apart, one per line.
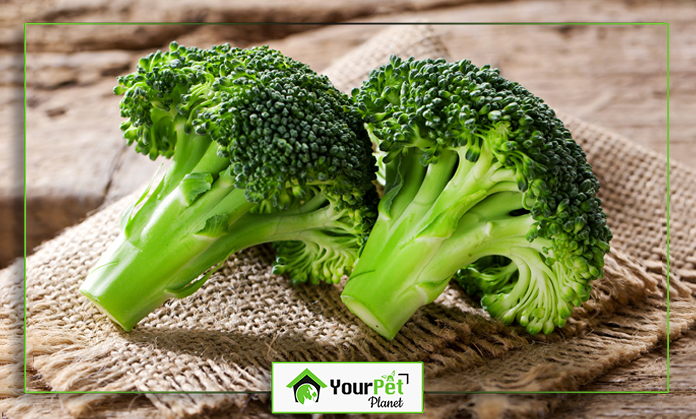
482 179
263 150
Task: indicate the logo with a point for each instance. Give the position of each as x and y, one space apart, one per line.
306 387
347 387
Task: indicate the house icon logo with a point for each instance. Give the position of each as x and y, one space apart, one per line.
306 387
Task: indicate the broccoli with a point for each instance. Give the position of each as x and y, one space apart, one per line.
482 181
263 150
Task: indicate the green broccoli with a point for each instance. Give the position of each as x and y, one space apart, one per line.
482 181
263 150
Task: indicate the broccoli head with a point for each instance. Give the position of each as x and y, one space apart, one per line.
482 181
263 150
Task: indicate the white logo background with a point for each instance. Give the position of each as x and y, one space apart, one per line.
382 391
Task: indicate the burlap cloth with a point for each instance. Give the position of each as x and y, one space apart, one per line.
225 336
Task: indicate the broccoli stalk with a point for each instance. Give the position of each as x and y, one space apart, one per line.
482 181
263 150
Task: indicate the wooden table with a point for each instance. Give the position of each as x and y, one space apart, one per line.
611 76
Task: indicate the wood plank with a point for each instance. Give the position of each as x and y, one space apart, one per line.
648 373
71 39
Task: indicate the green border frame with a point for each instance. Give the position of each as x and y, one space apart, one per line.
273 364
26 24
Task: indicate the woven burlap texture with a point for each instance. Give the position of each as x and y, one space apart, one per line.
226 335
